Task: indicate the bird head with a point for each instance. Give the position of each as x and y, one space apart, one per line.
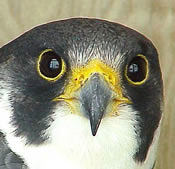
85 78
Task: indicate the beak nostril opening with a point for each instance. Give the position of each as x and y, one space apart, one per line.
95 96
81 78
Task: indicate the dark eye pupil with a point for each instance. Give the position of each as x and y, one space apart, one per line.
137 69
50 64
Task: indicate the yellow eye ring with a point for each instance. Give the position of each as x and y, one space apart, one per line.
137 71
50 66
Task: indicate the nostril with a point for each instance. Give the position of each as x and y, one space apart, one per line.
81 77
110 78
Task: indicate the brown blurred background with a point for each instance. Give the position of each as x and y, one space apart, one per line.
154 18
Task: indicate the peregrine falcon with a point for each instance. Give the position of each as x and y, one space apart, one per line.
80 93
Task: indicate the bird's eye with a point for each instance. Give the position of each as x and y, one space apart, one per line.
50 65
137 70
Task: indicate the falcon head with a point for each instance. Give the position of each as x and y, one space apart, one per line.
81 93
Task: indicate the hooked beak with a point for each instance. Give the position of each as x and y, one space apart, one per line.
94 91
95 96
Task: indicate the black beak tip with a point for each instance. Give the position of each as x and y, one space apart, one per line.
94 132
94 128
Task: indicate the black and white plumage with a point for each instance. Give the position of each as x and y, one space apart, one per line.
80 94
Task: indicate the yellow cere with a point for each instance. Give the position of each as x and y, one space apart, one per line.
147 72
82 74
63 69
